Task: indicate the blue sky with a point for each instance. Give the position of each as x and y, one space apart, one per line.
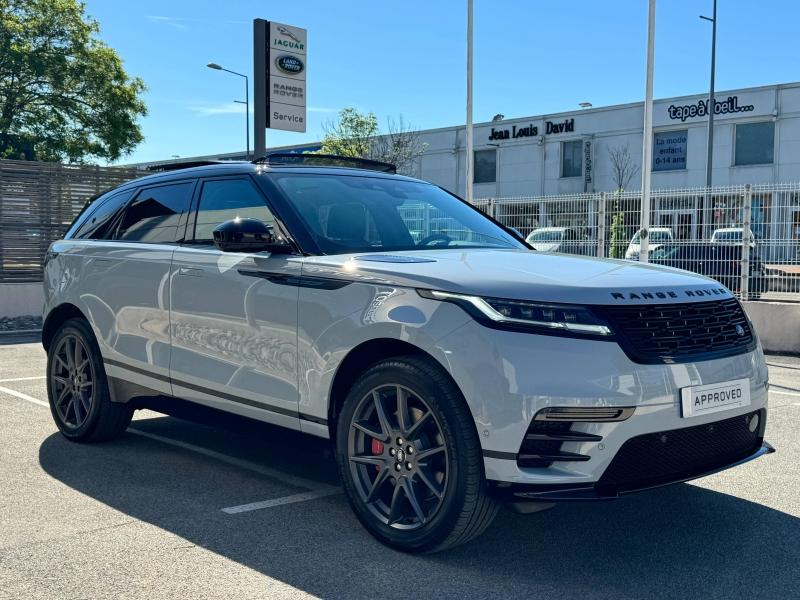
407 58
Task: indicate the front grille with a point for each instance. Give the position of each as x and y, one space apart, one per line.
672 333
657 458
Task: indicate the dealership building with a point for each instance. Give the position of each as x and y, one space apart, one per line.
756 141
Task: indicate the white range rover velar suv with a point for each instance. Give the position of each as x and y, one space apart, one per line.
453 368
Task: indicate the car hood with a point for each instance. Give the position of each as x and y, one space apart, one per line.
522 275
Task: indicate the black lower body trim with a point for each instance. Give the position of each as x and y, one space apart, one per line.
222 395
563 492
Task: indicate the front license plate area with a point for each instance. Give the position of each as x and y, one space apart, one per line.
700 400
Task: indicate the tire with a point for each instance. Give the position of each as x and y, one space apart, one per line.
444 472
77 387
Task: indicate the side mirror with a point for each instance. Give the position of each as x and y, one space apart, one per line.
248 235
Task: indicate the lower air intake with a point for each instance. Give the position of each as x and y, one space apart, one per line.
656 458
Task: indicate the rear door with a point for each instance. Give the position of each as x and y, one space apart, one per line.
125 284
234 315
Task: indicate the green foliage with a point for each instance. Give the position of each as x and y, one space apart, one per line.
618 238
358 135
352 135
62 90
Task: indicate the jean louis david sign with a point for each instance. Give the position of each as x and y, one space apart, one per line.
286 63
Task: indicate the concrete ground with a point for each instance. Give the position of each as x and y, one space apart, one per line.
144 517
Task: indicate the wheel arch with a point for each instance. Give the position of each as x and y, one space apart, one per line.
363 356
55 318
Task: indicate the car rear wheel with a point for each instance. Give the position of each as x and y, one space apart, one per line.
77 387
410 459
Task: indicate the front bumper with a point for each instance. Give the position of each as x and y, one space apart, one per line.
520 492
508 377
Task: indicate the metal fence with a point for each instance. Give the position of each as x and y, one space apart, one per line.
747 237
38 201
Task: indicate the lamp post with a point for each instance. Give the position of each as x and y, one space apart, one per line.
711 106
246 101
470 156
647 146
711 101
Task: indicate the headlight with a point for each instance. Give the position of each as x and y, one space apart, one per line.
570 318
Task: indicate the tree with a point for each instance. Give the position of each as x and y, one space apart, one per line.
63 92
358 135
400 146
623 168
618 236
625 216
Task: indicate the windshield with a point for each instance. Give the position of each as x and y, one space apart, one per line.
346 213
728 236
546 236
656 237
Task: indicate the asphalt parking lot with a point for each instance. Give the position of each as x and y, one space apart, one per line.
178 508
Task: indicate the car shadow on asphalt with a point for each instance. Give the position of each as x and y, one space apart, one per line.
679 541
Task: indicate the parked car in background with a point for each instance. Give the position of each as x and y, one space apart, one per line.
566 240
722 262
658 236
730 236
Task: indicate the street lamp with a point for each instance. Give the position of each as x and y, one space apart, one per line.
246 102
711 102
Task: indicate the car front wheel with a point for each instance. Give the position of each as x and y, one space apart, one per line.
410 458
77 387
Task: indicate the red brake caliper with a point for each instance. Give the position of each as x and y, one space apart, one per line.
377 450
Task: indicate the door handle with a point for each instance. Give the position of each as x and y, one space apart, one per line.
190 271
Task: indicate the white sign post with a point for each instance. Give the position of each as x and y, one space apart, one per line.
280 62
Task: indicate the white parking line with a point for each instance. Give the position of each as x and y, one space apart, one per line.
785 393
302 497
314 489
23 379
22 396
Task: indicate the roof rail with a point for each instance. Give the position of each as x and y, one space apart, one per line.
174 166
324 160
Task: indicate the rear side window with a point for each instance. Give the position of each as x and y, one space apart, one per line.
103 218
155 214
225 199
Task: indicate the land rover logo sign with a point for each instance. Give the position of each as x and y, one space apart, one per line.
739 330
290 64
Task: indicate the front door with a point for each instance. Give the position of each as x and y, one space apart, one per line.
233 319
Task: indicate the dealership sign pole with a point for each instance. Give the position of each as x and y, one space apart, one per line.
647 143
279 64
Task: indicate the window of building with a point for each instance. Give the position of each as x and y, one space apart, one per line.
485 166
155 215
225 199
571 158
755 143
102 220
669 150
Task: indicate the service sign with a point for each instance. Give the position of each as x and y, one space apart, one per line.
287 54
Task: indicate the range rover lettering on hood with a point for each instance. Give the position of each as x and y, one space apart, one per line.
668 294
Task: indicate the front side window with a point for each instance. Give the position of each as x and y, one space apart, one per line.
154 215
755 143
355 214
102 220
571 165
225 199
485 166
